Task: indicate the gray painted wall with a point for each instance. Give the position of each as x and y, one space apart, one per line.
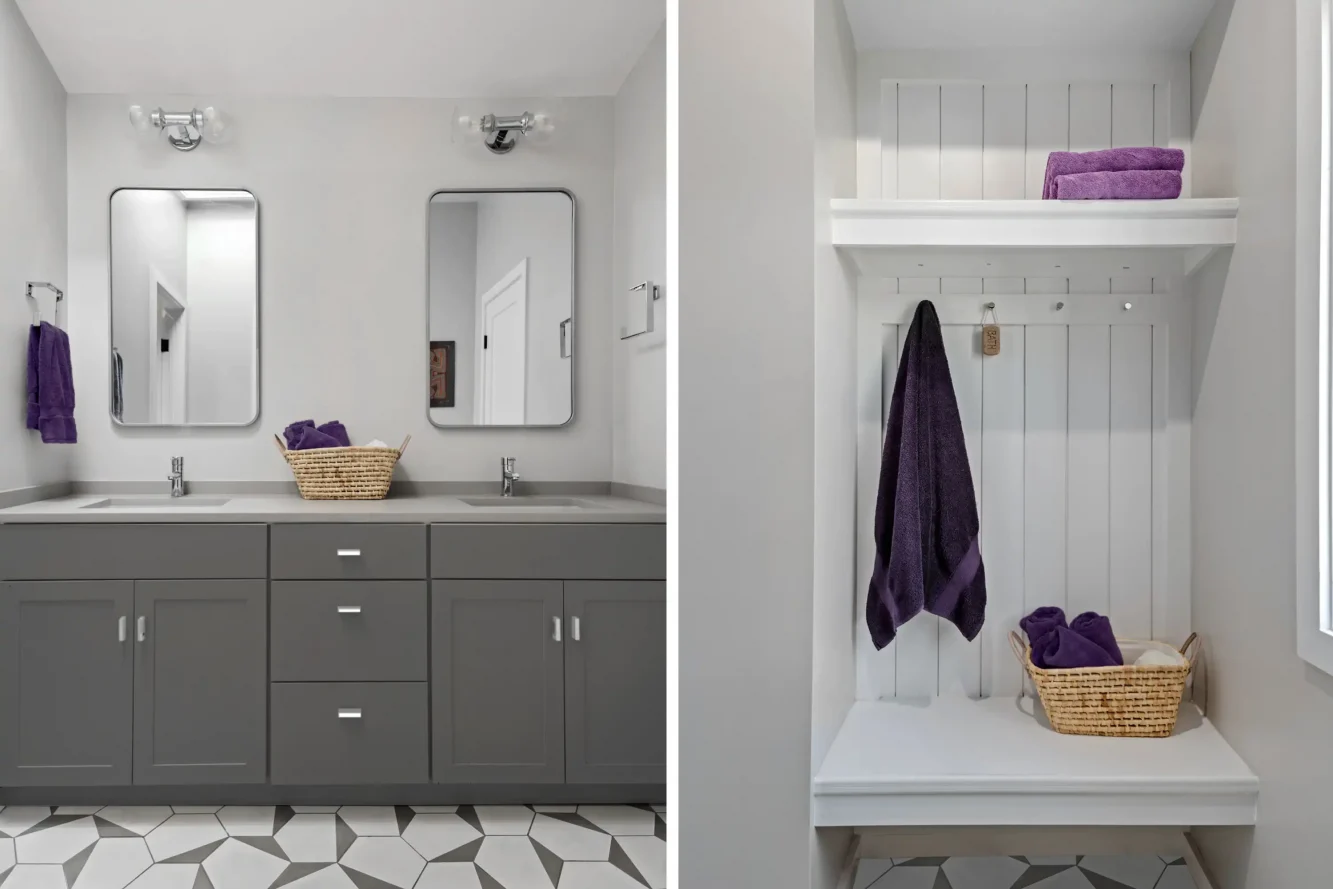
1269 704
640 254
746 443
453 298
32 236
343 200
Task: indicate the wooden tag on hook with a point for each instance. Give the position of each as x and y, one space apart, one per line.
990 333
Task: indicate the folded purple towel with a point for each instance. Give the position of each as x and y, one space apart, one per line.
312 438
294 432
1065 649
337 432
1041 622
1097 628
54 386
1131 185
1114 160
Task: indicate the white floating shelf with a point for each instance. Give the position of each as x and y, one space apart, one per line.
930 239
948 762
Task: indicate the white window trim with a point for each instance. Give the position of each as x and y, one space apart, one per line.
1314 229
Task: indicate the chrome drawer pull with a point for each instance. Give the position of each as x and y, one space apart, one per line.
349 553
349 712
120 628
556 634
574 629
143 628
349 609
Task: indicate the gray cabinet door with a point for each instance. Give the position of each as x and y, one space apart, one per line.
66 681
615 682
200 681
497 681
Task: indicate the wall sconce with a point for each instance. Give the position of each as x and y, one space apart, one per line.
183 129
501 133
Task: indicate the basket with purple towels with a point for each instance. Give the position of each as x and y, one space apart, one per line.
1087 687
1116 174
328 466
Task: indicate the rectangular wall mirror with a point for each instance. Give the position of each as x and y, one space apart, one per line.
501 280
184 307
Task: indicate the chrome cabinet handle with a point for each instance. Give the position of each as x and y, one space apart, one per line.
556 634
349 553
566 347
349 609
120 628
349 712
574 629
142 632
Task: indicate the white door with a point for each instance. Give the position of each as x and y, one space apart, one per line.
502 380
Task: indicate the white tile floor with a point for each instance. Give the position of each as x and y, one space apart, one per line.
1010 872
332 847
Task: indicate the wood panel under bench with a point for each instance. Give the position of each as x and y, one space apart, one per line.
332 654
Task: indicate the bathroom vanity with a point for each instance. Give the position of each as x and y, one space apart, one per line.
269 640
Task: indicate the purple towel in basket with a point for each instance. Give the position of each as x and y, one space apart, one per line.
1131 185
1113 160
1097 628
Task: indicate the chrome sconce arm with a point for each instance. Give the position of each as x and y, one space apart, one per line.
184 130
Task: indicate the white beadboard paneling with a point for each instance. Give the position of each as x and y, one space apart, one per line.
1131 481
958 286
1131 285
1089 285
888 131
877 355
1005 140
918 639
918 141
960 660
1046 285
1132 115
1089 468
1089 116
1002 286
960 141
869 134
1161 127
1002 509
1048 130
1045 445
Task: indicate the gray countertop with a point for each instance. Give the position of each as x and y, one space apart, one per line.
278 508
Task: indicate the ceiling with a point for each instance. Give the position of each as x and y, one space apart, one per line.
991 24
402 48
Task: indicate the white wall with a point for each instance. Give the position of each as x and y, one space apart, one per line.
220 267
453 299
147 233
535 227
746 442
1274 709
32 238
640 255
834 594
343 187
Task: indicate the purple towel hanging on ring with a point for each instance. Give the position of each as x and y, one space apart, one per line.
928 554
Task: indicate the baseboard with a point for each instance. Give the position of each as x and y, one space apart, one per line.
365 795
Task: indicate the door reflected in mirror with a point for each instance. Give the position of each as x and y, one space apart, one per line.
501 282
184 307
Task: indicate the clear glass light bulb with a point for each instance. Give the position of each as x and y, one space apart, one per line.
140 119
215 125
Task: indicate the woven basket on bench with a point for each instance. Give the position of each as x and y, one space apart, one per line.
343 473
1117 702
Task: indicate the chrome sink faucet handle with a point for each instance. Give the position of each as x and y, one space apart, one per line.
177 477
507 476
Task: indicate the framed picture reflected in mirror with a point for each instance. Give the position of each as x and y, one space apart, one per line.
442 375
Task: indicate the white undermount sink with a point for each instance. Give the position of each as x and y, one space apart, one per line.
156 502
533 502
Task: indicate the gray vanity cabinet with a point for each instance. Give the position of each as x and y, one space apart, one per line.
497 681
200 681
615 682
66 682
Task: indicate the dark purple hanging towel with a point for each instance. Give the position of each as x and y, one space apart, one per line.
928 555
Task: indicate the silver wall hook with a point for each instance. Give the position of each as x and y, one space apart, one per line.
1059 307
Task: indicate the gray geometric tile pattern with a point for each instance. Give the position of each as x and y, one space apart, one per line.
332 847
1018 872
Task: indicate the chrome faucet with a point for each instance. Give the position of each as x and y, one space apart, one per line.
177 477
507 476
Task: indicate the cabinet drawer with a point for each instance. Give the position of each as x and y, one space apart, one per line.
133 552
349 552
349 733
349 631
570 552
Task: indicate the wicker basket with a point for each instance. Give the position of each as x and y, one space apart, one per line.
1116 702
343 473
